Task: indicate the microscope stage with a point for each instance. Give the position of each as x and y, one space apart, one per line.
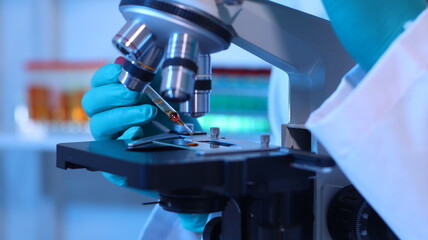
164 167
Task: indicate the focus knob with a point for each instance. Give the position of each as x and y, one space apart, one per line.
350 217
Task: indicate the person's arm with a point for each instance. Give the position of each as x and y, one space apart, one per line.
376 132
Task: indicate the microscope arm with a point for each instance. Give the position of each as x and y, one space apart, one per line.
302 45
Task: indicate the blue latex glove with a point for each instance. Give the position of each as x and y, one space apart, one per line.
114 110
366 28
118 113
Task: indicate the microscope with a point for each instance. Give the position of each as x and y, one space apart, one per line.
292 191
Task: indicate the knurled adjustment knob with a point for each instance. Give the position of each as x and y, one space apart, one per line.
350 217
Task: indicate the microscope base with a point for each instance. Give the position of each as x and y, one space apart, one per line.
266 197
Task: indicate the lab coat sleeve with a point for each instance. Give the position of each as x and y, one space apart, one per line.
378 132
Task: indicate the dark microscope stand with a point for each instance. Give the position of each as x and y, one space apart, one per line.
262 195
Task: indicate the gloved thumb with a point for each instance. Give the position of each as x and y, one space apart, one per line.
111 124
132 133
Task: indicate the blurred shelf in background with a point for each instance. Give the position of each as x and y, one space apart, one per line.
54 90
51 110
239 102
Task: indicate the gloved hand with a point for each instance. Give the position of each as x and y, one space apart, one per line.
366 28
118 113
114 110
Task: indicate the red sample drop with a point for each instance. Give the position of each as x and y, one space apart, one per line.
174 117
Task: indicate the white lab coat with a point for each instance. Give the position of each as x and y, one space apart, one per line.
378 132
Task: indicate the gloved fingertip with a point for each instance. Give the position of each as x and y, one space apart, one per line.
111 70
98 130
148 112
140 115
107 74
110 124
128 95
132 133
153 110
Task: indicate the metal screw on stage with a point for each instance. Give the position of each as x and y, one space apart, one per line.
215 133
264 140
